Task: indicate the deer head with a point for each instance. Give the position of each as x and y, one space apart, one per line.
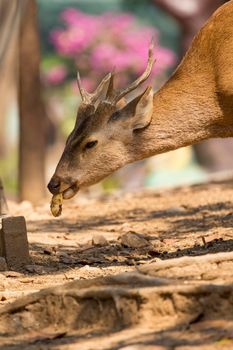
105 129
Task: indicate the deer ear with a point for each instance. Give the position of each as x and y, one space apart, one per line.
139 111
144 110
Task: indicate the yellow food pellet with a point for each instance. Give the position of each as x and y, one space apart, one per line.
56 204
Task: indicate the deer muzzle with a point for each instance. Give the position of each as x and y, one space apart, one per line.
67 187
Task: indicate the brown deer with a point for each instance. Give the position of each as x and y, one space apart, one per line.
195 104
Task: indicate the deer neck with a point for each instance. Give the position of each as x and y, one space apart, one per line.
186 111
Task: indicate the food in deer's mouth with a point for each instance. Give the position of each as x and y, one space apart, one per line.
56 204
57 199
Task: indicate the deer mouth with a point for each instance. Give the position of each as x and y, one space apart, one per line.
71 191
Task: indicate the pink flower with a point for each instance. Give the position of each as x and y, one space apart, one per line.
118 21
56 74
98 43
103 56
72 41
70 16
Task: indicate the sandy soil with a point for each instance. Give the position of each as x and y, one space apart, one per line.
101 238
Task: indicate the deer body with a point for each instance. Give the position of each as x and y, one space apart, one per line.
197 101
195 104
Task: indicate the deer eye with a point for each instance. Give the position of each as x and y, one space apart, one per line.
115 116
90 144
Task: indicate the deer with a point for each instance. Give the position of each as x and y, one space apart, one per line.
195 104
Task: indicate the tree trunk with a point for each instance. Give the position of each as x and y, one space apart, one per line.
9 21
31 109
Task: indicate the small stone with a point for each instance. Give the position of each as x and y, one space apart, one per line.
176 210
38 269
67 261
99 241
63 255
211 238
133 240
49 251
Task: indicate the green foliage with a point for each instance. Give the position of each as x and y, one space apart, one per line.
8 168
49 61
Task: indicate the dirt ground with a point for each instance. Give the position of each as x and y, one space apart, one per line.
177 293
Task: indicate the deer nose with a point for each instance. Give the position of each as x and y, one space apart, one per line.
54 185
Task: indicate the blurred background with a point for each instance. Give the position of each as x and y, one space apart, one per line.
42 43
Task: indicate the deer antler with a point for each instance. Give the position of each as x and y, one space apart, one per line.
115 95
92 98
112 95
84 94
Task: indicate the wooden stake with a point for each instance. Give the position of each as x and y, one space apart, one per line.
3 203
